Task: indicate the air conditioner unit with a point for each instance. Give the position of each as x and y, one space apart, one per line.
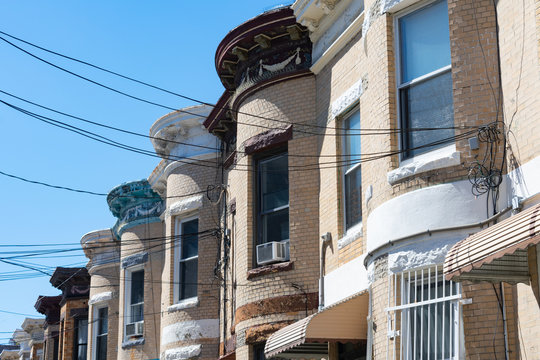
135 329
272 252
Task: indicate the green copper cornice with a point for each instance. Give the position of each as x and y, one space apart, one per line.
134 203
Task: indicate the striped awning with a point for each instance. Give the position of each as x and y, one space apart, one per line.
498 253
307 338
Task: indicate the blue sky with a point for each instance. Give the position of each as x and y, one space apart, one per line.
167 43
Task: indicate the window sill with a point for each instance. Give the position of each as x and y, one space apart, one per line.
132 342
435 159
184 304
353 234
270 269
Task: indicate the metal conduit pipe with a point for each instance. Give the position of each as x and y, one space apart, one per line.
326 241
431 231
505 326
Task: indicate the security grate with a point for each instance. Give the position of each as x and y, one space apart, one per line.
423 315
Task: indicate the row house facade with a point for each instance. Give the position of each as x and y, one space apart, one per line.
366 187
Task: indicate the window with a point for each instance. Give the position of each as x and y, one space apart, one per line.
258 352
81 339
353 172
134 296
426 310
424 79
273 199
187 258
101 320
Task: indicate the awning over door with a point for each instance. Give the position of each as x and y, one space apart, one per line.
344 321
498 253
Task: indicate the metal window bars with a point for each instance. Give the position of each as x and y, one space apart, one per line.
425 308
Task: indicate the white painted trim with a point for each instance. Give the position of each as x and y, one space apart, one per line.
182 353
184 206
435 159
184 304
352 234
101 297
434 207
190 330
347 99
337 45
345 281
176 164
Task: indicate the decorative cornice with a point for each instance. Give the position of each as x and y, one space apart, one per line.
134 203
100 247
184 126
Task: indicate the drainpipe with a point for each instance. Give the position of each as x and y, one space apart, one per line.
326 241
505 326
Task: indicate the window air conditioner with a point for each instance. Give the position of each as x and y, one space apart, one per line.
135 329
272 252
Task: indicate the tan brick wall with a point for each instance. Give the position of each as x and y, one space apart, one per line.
105 278
50 335
184 180
520 73
528 321
291 101
133 241
67 327
483 322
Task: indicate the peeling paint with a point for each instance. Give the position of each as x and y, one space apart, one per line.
190 330
180 353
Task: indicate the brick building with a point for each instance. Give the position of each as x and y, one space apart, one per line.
365 188
50 307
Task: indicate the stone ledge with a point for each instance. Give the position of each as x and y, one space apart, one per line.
260 333
131 343
184 304
435 159
268 139
270 269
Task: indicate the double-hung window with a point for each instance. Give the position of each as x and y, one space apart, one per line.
134 296
353 171
187 258
424 79
101 320
424 311
81 339
273 199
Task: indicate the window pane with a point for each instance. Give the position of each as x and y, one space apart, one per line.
353 197
82 331
103 321
274 182
81 352
189 240
137 287
137 313
424 40
188 278
101 351
352 139
275 226
428 104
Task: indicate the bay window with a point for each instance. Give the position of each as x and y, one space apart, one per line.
134 300
101 320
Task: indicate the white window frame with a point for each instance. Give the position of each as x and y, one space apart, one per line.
399 308
177 259
399 84
127 297
343 117
95 327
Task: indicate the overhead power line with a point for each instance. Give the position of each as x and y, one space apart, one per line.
354 132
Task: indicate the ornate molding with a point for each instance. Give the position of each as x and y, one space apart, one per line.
132 204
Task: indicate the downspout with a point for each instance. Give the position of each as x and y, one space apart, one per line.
505 326
326 241
369 346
